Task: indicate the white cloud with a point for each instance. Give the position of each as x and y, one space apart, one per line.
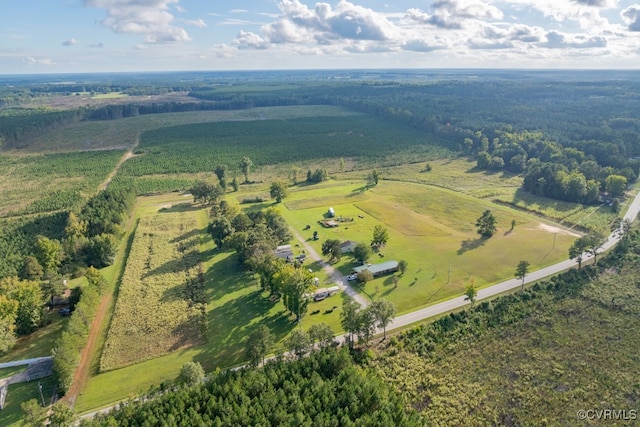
556 40
631 17
97 45
70 42
585 12
30 60
250 40
148 18
238 11
452 14
195 22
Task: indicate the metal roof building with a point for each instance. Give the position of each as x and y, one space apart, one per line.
378 269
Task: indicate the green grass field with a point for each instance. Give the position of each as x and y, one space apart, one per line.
430 227
433 229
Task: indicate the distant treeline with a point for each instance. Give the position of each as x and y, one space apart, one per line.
566 138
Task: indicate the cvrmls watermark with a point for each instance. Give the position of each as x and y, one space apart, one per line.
608 414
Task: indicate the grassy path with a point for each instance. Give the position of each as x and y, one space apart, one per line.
126 156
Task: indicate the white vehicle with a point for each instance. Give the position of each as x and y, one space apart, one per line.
352 277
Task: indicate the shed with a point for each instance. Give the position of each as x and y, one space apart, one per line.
378 269
284 252
331 213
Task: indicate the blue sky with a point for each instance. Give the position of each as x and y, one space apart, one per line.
59 36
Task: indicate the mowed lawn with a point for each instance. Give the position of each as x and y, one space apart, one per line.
433 229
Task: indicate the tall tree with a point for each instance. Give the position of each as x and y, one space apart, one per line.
322 334
577 250
298 342
470 293
373 178
206 193
245 166
49 253
61 415
521 271
221 173
220 229
30 314
349 318
380 236
76 228
486 224
383 312
615 185
8 315
361 252
31 269
34 414
402 266
258 345
278 191
331 247
191 374
96 280
594 242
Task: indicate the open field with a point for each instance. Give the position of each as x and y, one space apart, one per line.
156 312
432 229
461 175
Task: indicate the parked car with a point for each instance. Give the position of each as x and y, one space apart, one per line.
352 277
65 312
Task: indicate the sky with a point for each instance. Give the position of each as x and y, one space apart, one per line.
69 36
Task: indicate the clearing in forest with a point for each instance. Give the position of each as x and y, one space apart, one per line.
160 305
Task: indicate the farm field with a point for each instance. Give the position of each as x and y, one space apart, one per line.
433 229
158 307
42 183
273 141
121 134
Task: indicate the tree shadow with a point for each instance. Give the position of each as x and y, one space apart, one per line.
471 244
231 323
226 276
188 260
181 207
358 191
